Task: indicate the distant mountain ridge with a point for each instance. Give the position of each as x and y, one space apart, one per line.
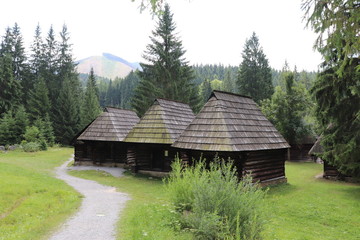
107 65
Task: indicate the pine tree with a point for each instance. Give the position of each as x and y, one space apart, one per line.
166 72
337 89
229 83
10 88
7 125
21 122
254 77
91 107
39 103
67 121
37 56
50 69
206 90
20 67
46 129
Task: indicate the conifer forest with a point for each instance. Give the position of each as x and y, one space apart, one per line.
44 99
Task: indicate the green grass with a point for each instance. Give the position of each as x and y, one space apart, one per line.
304 208
32 202
312 208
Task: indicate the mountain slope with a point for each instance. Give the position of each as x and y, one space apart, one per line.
107 65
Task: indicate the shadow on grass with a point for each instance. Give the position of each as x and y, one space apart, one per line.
282 189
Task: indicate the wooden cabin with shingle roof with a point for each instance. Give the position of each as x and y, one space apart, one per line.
330 172
149 149
232 126
102 141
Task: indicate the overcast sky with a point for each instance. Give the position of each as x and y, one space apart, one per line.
212 31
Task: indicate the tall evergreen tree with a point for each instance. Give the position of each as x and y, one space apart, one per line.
337 89
67 121
50 59
254 77
10 88
39 103
91 106
205 91
166 72
37 61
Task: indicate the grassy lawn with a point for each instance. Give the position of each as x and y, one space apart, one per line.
32 201
310 208
305 208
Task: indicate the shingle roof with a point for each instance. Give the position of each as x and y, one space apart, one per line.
230 122
162 123
316 148
112 125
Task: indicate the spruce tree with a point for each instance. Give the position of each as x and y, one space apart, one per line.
166 73
20 66
91 106
337 89
10 96
254 77
50 59
229 83
37 56
67 121
46 129
39 103
206 90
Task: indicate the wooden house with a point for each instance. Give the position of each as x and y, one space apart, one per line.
101 142
299 152
233 126
149 149
330 171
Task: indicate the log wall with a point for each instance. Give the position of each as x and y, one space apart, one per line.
265 165
95 152
300 153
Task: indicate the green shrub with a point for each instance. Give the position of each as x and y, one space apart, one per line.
213 203
43 145
32 134
30 146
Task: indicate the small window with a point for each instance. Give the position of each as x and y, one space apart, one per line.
166 153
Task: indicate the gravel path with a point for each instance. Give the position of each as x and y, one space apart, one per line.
99 211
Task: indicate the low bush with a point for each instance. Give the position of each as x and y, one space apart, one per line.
213 203
31 146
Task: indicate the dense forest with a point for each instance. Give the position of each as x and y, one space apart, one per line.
43 98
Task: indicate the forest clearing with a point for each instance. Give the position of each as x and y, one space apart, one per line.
209 151
34 205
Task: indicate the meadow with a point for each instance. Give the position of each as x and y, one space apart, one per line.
33 203
305 208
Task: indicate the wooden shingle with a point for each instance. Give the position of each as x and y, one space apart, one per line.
112 125
230 122
162 123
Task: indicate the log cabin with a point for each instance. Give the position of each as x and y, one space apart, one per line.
330 172
149 142
232 126
101 142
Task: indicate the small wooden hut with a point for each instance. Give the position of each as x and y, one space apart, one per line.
233 126
299 152
149 149
101 142
330 171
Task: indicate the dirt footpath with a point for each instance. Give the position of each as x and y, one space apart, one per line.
99 211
